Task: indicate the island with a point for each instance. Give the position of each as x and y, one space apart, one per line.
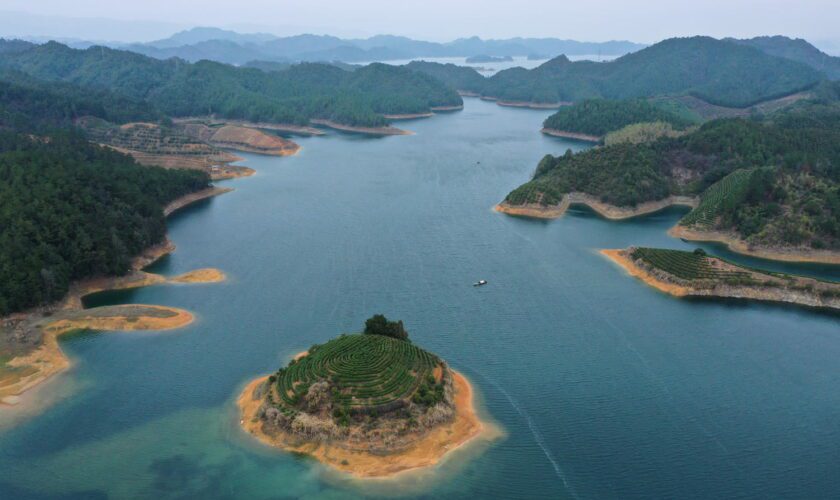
695 274
484 58
371 404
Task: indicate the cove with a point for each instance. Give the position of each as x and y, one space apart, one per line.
605 387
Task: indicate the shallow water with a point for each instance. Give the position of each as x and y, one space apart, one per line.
606 388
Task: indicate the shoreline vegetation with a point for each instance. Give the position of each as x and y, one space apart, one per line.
612 212
40 328
426 451
707 276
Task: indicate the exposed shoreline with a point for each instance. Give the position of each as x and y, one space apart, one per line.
409 116
740 246
444 109
427 451
605 210
280 127
386 130
532 105
571 135
664 282
43 362
191 198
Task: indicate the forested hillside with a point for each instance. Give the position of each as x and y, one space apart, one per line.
29 104
792 197
796 50
296 95
599 116
717 71
70 210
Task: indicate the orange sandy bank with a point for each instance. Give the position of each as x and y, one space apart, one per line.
25 372
571 135
751 285
427 451
620 258
207 275
534 210
740 246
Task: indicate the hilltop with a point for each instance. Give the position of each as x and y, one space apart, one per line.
716 71
371 404
294 96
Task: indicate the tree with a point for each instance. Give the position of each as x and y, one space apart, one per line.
378 324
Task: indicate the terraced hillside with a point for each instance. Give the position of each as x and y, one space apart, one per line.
688 265
720 197
365 374
682 273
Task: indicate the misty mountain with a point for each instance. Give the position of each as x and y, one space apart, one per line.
796 50
236 48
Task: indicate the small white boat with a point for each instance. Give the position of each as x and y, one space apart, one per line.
480 283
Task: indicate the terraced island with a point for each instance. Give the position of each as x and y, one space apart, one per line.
370 404
687 274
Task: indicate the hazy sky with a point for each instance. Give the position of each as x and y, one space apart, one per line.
590 20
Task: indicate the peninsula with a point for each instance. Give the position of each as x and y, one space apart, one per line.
370 404
695 274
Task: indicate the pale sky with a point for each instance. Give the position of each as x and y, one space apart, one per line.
440 20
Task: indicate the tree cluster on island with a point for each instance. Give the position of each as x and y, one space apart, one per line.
374 387
597 117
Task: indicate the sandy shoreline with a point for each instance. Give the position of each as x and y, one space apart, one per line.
31 369
571 135
605 210
429 450
387 130
802 291
48 360
632 269
739 246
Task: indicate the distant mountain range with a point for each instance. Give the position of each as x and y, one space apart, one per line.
736 73
238 48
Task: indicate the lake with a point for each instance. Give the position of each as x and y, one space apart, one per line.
605 387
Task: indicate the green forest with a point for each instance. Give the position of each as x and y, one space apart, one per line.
599 116
793 199
70 210
295 95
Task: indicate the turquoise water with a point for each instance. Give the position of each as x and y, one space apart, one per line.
605 387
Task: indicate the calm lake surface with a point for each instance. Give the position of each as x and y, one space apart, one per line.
605 387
